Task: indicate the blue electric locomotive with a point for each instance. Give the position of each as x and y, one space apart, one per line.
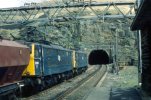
50 64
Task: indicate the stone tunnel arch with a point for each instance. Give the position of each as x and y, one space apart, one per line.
97 57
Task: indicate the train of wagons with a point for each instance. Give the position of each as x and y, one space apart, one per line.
36 66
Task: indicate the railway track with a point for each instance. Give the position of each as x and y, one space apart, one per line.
72 86
50 93
101 71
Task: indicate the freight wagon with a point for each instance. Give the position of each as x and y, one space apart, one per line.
14 58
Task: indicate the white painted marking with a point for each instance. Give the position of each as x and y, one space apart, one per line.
59 58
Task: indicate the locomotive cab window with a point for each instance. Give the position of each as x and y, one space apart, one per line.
37 51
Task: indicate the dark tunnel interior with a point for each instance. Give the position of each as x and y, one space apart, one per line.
98 57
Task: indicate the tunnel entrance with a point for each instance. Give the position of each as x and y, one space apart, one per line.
98 57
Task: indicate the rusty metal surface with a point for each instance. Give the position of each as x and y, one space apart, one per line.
13 54
11 43
11 74
14 58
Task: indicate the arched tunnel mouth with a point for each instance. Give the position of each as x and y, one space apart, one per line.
98 57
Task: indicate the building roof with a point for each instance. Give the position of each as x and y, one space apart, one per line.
143 16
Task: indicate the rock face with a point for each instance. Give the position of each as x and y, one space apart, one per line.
84 35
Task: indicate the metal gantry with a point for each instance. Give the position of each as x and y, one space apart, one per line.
66 11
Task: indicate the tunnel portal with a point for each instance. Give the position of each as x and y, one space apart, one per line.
98 57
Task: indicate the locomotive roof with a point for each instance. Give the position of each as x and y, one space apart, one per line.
50 46
11 43
56 47
81 52
143 16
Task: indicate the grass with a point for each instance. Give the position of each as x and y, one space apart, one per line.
128 77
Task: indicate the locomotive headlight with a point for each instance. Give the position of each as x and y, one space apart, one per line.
36 64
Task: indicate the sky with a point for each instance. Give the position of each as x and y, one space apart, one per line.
15 3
